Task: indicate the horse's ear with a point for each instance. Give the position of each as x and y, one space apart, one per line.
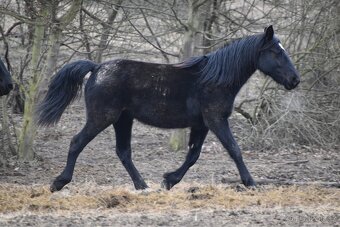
269 32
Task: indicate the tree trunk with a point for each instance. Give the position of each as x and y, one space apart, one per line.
56 29
107 27
25 150
38 81
7 148
51 62
178 138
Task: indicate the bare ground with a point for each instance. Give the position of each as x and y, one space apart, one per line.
296 187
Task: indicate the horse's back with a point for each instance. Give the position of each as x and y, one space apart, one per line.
156 94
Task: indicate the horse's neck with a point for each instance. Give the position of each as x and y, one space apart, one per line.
248 70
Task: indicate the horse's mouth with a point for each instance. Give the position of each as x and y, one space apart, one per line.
290 86
4 92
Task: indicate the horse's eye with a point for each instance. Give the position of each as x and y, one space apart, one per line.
275 51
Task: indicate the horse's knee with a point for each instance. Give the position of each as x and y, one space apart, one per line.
75 141
76 144
192 159
236 155
124 155
193 154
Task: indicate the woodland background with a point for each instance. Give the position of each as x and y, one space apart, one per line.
290 140
39 36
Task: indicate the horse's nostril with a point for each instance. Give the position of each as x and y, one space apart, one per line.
295 81
10 86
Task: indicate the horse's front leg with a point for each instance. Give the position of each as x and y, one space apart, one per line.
222 130
197 136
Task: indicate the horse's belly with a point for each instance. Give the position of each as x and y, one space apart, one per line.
171 109
169 114
162 116
163 123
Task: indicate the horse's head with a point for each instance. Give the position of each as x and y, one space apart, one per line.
274 61
5 80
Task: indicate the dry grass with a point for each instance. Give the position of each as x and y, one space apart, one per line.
87 196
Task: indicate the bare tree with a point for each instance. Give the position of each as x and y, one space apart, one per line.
48 34
43 11
178 139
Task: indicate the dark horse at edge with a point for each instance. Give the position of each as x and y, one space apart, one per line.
198 93
5 80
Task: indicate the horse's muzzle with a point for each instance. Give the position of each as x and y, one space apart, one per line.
6 89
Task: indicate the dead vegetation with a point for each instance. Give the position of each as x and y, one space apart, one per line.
91 196
289 139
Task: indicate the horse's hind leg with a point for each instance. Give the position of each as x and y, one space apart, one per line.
197 136
78 142
123 148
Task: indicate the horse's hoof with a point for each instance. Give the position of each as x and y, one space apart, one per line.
249 183
58 184
54 188
170 180
166 185
141 186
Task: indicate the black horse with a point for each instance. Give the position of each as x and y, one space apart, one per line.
5 80
198 93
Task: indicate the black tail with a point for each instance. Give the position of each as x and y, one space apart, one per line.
64 88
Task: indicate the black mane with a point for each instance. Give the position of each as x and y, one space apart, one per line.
3 69
228 65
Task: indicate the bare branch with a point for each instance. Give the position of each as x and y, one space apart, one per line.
136 29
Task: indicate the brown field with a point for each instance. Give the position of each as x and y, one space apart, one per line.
296 187
295 205
91 196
